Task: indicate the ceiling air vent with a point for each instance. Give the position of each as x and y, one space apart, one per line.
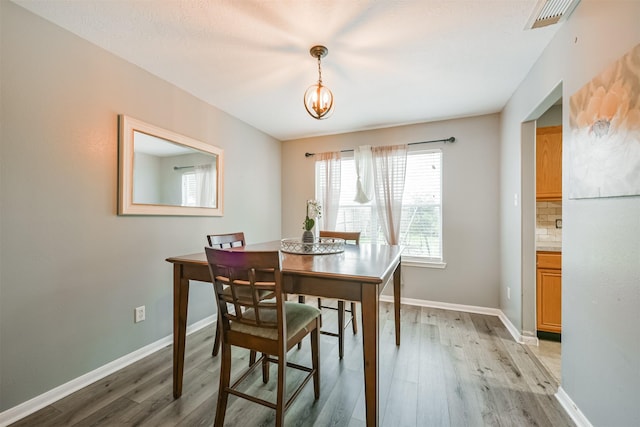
549 12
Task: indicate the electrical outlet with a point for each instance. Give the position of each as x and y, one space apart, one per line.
139 314
508 292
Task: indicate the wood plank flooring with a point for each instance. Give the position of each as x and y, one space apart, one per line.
452 369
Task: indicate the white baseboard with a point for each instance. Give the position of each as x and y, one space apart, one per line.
515 333
529 338
572 409
24 409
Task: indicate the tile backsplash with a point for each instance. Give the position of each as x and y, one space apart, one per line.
547 214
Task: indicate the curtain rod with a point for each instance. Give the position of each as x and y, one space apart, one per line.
445 140
175 168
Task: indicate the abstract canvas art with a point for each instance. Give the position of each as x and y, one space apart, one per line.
604 147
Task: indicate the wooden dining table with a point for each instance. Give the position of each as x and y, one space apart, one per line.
360 273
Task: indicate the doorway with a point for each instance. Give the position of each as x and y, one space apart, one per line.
539 232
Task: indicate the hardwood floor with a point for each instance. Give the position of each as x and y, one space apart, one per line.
452 369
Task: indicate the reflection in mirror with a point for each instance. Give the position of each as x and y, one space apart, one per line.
163 173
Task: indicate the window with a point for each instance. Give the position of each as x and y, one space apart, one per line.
421 221
189 189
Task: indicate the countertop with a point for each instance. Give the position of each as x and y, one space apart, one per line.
540 248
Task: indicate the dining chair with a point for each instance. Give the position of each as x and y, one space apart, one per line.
229 240
271 327
350 237
224 241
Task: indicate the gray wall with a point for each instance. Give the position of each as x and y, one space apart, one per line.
601 237
146 178
470 203
71 270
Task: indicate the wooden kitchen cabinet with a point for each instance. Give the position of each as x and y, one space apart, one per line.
549 163
549 292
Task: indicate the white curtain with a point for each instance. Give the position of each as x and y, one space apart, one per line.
328 188
364 174
390 165
205 185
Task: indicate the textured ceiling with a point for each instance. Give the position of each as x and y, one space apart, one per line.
390 62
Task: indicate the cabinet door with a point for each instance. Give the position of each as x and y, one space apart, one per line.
549 163
549 300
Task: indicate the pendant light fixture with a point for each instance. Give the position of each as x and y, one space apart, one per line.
318 99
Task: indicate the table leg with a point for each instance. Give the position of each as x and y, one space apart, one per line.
396 301
180 303
370 334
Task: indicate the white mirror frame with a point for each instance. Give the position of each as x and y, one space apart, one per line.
126 206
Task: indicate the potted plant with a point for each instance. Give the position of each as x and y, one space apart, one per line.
314 211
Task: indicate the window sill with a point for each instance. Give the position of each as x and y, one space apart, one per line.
422 263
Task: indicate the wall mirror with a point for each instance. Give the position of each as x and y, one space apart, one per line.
164 173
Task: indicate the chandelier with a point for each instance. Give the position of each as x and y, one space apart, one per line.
318 99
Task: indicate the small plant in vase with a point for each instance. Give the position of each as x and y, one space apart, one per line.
314 211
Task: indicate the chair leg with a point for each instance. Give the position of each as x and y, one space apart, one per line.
225 376
282 395
216 341
315 359
354 324
301 300
340 328
265 369
252 357
319 302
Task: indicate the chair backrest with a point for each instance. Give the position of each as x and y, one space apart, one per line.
222 241
352 237
249 276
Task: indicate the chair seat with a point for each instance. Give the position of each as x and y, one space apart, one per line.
298 317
